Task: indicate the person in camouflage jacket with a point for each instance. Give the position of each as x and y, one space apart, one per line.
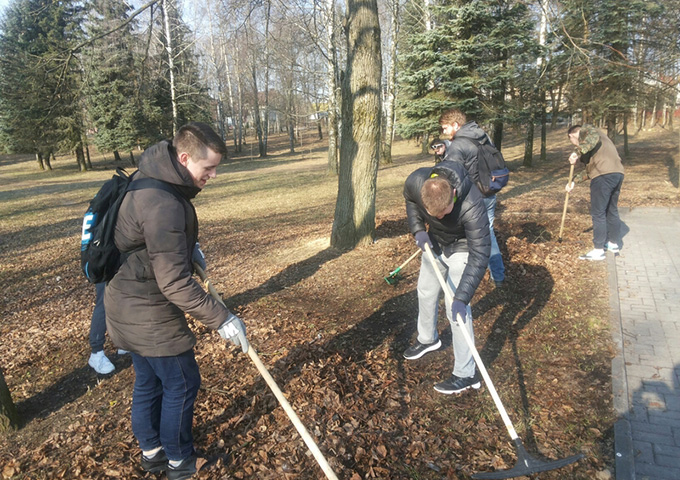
604 169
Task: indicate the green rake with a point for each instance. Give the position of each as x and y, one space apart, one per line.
393 278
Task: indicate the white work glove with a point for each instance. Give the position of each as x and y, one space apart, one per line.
197 256
235 330
569 187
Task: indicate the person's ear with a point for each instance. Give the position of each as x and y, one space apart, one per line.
183 158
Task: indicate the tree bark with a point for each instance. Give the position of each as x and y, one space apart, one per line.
165 4
388 134
9 418
39 159
354 222
256 114
80 158
529 145
265 133
214 59
232 104
333 95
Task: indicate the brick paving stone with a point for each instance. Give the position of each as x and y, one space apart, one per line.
644 289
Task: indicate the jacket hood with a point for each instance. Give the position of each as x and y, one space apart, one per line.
159 161
472 130
455 173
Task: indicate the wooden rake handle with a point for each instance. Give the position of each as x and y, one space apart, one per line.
566 201
309 441
475 354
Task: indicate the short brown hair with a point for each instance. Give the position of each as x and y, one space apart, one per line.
437 194
195 137
451 116
574 129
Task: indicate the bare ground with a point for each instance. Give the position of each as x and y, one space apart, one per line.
326 324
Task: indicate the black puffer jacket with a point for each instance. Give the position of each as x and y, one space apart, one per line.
461 149
466 228
146 300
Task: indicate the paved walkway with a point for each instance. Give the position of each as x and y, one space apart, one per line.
644 287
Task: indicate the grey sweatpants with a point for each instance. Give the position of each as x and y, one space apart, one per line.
428 309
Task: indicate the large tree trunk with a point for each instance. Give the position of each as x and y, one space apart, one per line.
9 418
354 222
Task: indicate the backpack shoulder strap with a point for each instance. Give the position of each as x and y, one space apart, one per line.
467 138
143 183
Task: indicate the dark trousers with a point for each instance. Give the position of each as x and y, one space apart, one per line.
163 402
604 199
98 321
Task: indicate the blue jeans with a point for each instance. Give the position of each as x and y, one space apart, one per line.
163 402
429 290
604 199
98 321
496 267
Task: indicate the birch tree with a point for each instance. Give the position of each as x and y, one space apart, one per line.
391 84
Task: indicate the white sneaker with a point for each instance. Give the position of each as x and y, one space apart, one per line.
100 363
612 247
594 254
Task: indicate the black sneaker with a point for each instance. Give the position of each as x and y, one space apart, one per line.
155 464
456 384
420 349
184 470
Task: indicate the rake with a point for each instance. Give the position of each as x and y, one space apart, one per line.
393 277
297 423
526 464
566 200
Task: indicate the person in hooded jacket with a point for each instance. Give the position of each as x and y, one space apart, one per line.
462 148
444 199
604 169
146 301
438 147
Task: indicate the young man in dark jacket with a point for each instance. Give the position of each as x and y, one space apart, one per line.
147 300
445 199
604 169
461 148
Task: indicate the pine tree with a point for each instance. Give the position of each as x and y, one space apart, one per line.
111 79
40 78
465 60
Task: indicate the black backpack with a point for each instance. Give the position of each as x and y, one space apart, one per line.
100 259
493 174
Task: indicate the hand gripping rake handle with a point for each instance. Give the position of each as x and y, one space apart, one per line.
566 200
526 464
309 441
